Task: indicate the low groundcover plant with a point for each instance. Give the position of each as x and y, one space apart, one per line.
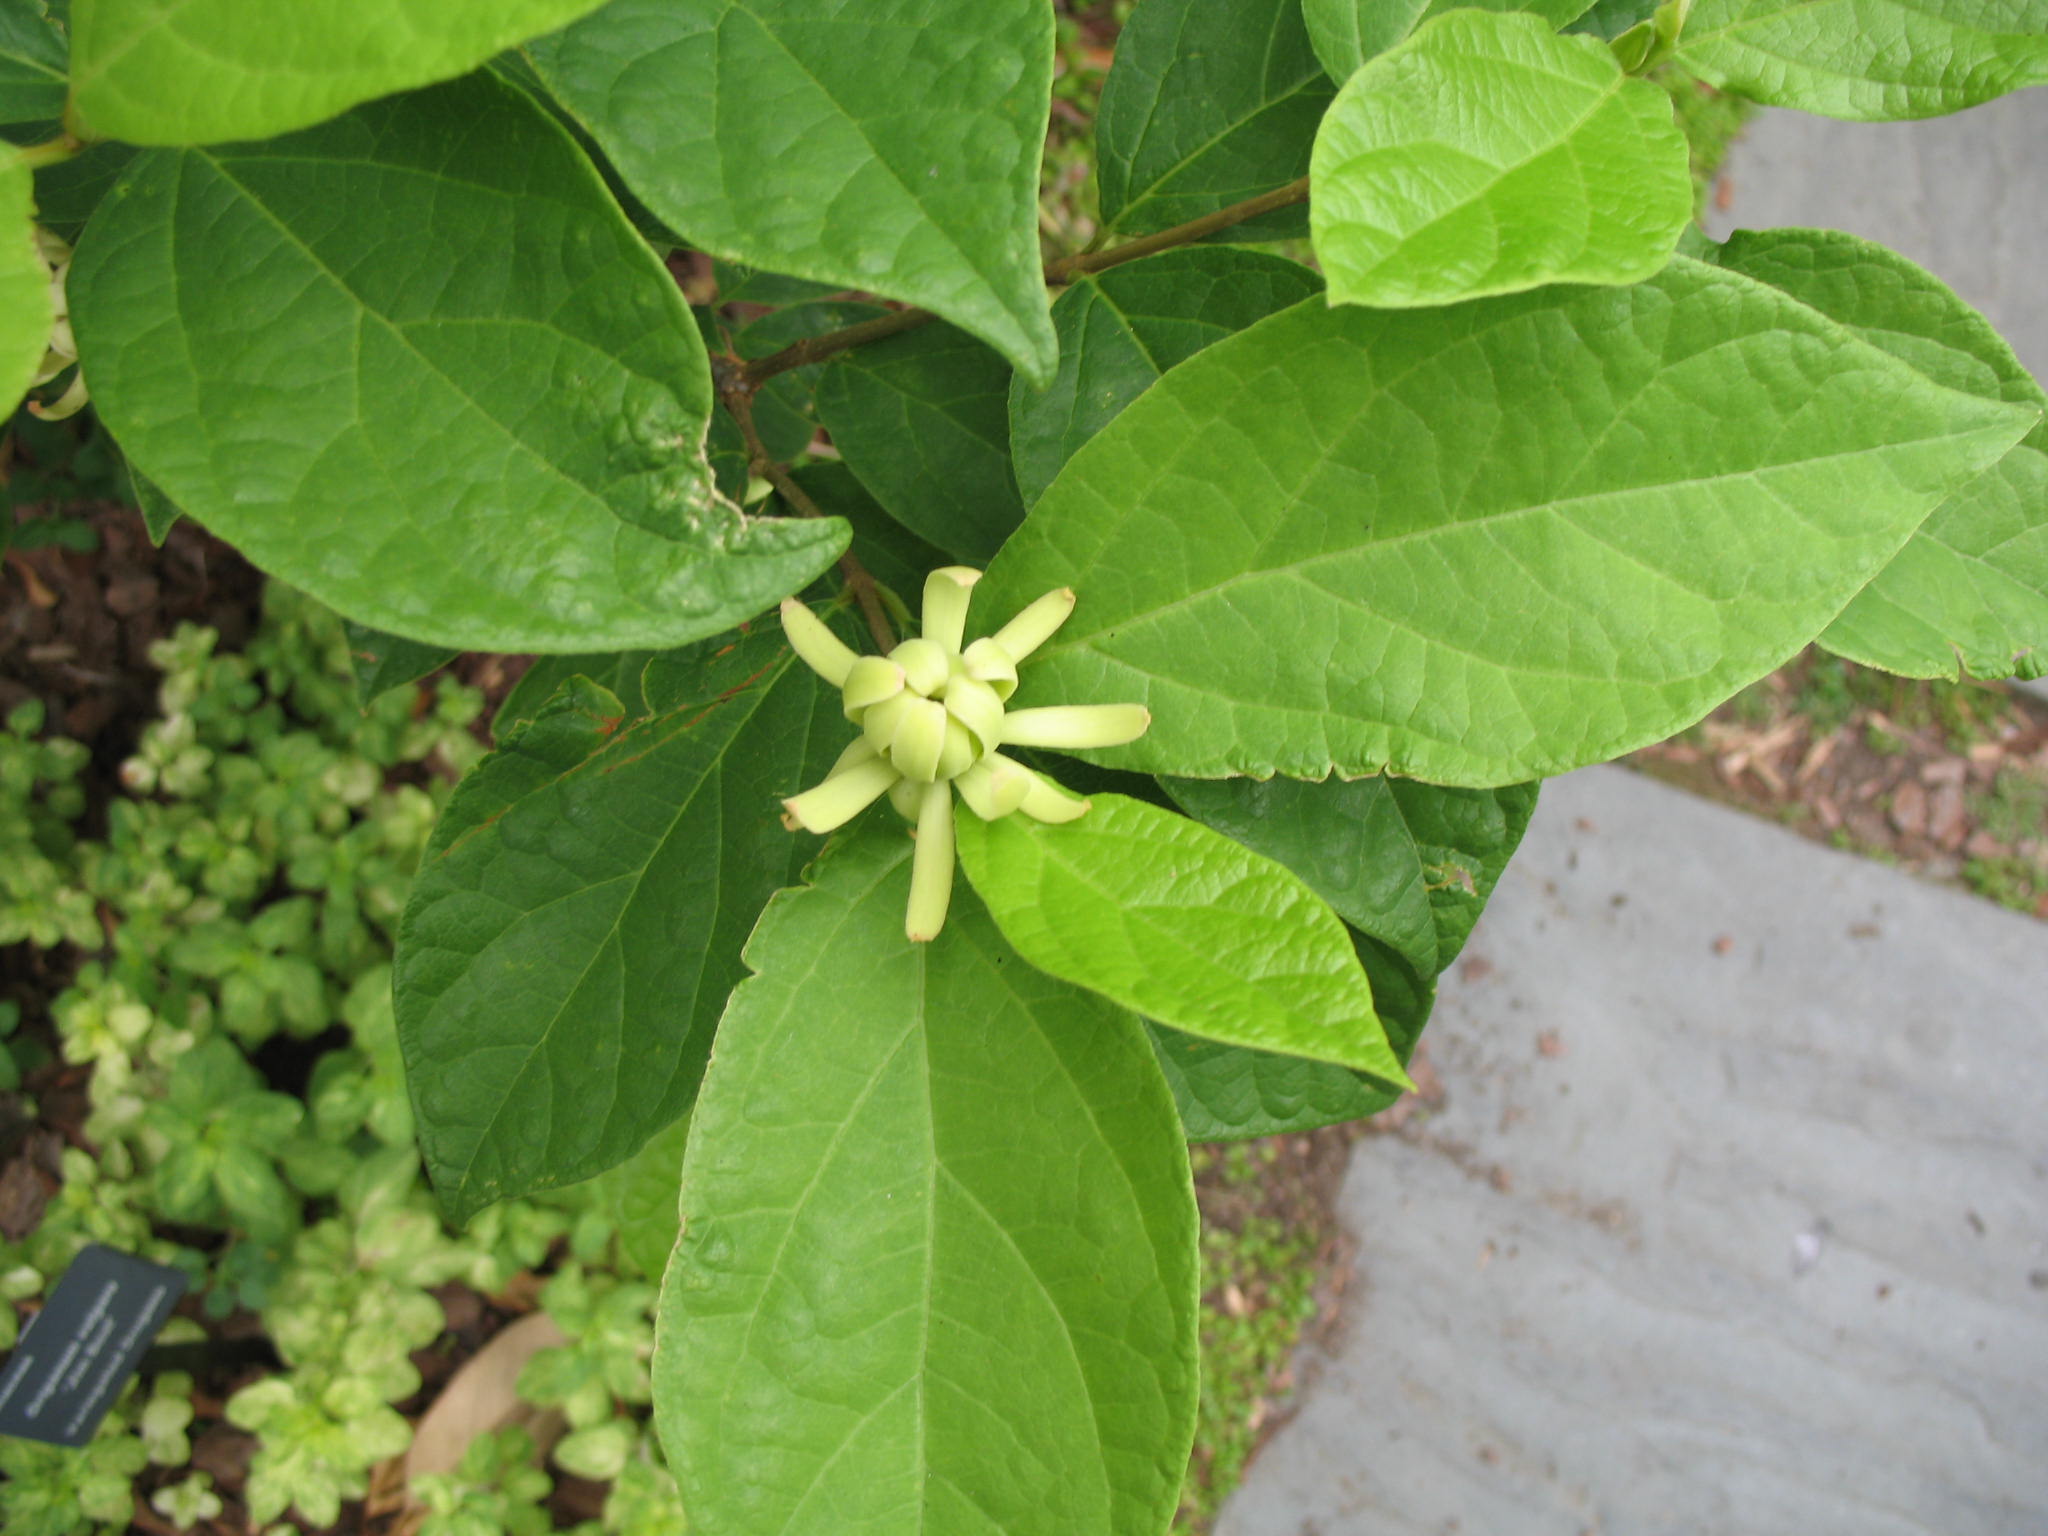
1520 474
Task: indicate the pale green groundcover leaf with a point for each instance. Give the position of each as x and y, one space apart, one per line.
1180 923
1487 154
923 421
577 921
32 63
476 419
204 71
25 312
1485 543
938 1268
1870 60
1348 32
1971 587
1206 105
1120 329
890 146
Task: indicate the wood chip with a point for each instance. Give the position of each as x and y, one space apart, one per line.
1947 818
1909 809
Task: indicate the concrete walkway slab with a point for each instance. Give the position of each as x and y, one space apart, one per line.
1965 196
1735 1222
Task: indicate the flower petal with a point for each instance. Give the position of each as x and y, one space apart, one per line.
1070 726
841 798
1035 625
824 652
931 866
946 592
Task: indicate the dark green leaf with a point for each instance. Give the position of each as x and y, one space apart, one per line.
204 71
891 150
1484 543
938 1265
784 410
68 191
617 672
924 420
1488 154
1232 1093
1182 925
1120 329
1346 33
475 418
1970 589
383 662
32 65
893 555
1205 106
1870 60
577 920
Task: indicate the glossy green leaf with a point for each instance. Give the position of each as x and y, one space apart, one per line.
1181 924
1207 105
1486 543
1970 589
68 191
1488 154
383 662
1232 1093
892 148
1120 329
25 311
32 65
938 1267
1608 19
1348 32
1870 60
924 420
641 1197
205 71
576 923
476 419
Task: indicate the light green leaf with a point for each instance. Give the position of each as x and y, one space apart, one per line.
938 1265
1348 32
1181 924
1205 106
26 314
1970 589
923 420
32 65
476 419
1485 543
640 1195
1120 329
205 71
892 149
1488 154
383 662
1869 60
1232 1093
576 923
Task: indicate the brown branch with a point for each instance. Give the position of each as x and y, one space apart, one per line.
736 394
815 349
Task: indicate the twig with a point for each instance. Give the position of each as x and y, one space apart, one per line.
815 349
736 394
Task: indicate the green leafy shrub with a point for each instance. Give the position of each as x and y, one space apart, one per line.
1524 474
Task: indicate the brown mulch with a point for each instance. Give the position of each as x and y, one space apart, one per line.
1942 779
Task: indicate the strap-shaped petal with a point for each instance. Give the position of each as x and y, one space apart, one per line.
975 705
946 592
842 797
870 680
1075 726
920 740
824 652
987 662
931 866
994 787
1035 625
